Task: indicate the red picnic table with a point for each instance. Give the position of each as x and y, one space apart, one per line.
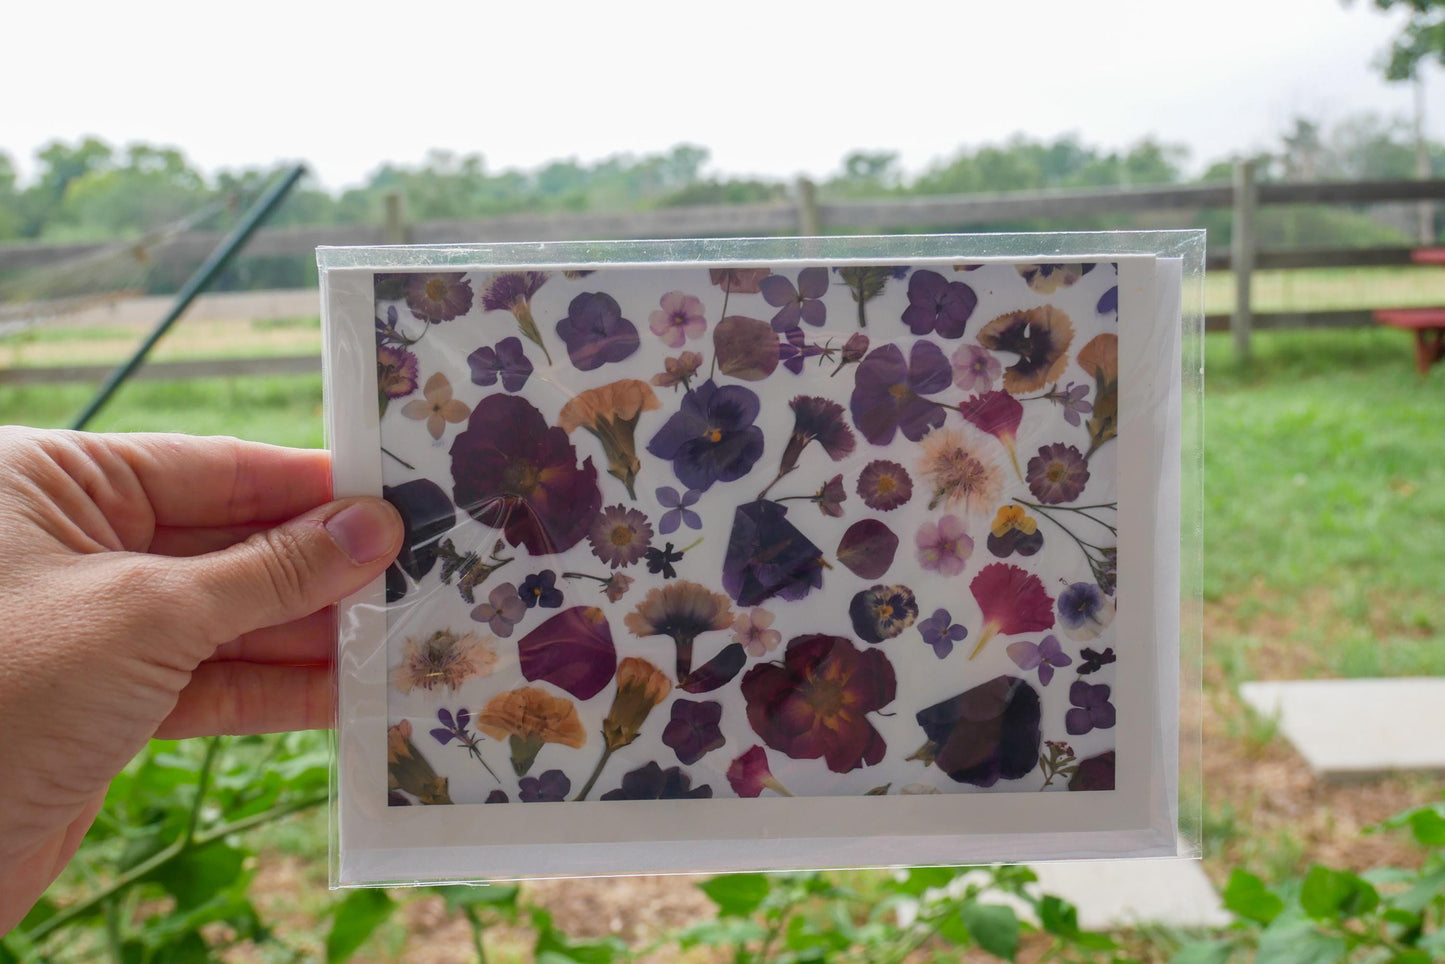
1428 324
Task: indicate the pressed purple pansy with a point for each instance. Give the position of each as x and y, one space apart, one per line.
540 589
937 304
941 632
1057 474
1084 611
1091 708
652 782
711 438
551 787
1045 655
679 510
507 361
595 332
796 303
693 731
888 392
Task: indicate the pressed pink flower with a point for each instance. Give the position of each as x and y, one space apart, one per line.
884 485
999 414
943 546
975 369
680 317
619 536
749 774
750 630
960 470
1013 601
439 407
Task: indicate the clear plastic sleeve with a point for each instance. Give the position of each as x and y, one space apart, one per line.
769 553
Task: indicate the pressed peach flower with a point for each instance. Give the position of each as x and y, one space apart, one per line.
408 770
528 718
960 471
445 659
610 413
1100 357
640 687
683 610
439 407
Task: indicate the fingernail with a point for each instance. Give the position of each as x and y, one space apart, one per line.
363 530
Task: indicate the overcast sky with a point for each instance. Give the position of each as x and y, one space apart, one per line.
770 87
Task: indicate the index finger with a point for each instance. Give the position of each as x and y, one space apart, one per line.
217 481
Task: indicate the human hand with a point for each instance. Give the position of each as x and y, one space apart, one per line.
156 585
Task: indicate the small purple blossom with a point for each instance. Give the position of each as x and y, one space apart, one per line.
551 787
1108 302
502 610
438 297
595 332
1092 709
888 392
1084 611
943 546
1045 655
507 361
975 369
794 350
711 438
937 304
678 318
800 303
452 727
1072 399
1057 474
679 510
540 589
941 632
693 731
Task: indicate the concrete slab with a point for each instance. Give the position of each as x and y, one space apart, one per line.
1352 729
1124 893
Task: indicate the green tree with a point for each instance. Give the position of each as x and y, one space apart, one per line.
1422 39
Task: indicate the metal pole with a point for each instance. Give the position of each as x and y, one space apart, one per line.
198 282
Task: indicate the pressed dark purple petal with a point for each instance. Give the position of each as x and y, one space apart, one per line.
767 556
716 672
484 366
595 332
445 717
652 782
986 734
777 290
813 313
693 731
928 368
464 717
1108 302
427 515
1077 722
813 282
572 650
443 736
867 548
497 796
1095 773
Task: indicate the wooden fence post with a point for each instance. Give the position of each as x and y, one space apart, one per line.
809 224
1246 198
397 231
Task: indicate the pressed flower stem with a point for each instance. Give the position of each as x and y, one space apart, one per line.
404 462
522 311
1079 509
776 479
793 498
583 575
477 753
596 772
712 370
684 657
695 543
989 630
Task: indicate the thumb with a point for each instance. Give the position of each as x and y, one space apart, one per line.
295 568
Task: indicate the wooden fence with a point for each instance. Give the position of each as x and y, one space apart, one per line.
805 214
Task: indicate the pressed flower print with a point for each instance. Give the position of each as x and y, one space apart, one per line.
754 531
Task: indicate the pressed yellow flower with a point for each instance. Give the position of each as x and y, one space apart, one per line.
439 407
960 471
640 687
610 413
1013 518
408 770
529 718
443 659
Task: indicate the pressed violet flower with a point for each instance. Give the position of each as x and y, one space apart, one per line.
396 373
750 774
1095 661
744 281
888 392
497 796
439 407
943 546
438 297
678 371
1048 278
610 413
512 291
815 703
852 352
884 485
640 688
1014 530
975 369
540 589
595 332
751 632
937 304
959 470
502 610
1095 773
1100 358
529 718
711 438
815 419
664 561
1013 601
1045 656
984 735
683 611
999 414
679 510
1108 302
745 348
572 650
1073 400
767 556
867 548
830 497
1091 710
1084 611
407 770
795 350
800 303
443 659
551 787
514 472
1057 474
652 782
455 728
507 361
678 318
941 632
619 536
868 283
693 731
1040 337
882 612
